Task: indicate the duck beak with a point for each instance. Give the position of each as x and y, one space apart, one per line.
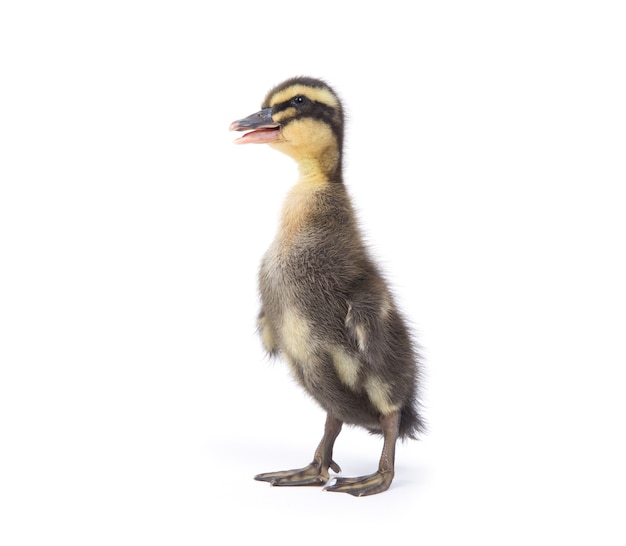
261 128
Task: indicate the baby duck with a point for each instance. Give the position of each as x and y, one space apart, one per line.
325 306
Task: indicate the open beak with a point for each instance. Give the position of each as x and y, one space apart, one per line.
261 128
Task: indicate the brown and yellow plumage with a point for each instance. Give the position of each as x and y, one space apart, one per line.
325 306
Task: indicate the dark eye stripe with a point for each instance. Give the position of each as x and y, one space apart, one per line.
313 110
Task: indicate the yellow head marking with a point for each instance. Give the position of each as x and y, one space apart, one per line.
283 115
317 94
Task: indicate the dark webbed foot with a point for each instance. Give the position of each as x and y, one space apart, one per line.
364 485
317 472
313 474
381 480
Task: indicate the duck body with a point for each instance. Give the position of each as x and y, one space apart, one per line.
326 308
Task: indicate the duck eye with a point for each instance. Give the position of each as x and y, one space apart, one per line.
299 99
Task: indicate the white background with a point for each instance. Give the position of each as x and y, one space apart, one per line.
485 153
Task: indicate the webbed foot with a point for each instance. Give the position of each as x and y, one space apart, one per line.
313 474
363 485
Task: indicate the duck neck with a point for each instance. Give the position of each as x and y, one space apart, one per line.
324 170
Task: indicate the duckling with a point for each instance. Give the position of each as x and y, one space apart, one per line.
326 308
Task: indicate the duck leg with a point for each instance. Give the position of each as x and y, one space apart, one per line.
315 473
380 480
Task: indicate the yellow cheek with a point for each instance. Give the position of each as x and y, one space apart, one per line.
311 137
